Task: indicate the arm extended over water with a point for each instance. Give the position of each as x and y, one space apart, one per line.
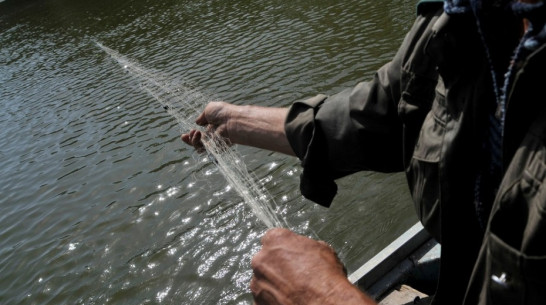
290 269
261 127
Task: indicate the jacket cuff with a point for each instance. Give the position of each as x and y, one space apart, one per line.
316 184
300 124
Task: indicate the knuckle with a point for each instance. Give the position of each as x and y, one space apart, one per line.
257 261
275 234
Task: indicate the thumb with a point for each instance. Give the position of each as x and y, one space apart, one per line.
201 119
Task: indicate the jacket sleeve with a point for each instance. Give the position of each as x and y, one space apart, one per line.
356 129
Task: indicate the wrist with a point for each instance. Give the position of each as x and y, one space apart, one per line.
346 293
237 126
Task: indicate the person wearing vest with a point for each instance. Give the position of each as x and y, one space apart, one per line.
461 109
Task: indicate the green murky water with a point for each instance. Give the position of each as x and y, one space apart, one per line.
101 202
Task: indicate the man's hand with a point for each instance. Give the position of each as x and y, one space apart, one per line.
215 119
292 269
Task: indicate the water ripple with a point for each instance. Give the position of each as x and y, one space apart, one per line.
103 204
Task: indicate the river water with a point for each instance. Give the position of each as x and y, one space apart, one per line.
101 203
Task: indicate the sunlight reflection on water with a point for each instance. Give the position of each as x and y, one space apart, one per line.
101 201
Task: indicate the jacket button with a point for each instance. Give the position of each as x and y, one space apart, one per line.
501 280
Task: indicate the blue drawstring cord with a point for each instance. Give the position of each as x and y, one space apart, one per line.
488 178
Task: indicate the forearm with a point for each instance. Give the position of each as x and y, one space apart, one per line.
261 127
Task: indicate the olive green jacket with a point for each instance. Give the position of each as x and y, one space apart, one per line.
424 113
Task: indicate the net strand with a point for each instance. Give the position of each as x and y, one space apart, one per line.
183 103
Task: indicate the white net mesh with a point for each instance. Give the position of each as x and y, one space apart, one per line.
184 104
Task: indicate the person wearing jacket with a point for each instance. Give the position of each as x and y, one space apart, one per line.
461 109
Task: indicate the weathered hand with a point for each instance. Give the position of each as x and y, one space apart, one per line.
292 269
215 119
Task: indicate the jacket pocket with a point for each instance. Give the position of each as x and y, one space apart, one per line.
514 278
516 245
423 169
